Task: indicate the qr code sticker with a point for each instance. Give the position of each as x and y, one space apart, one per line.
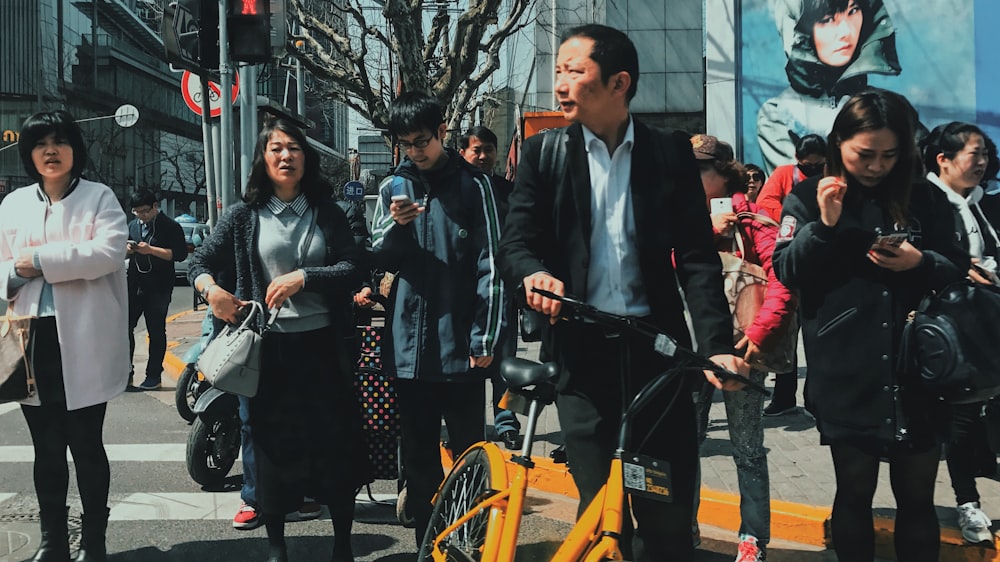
634 476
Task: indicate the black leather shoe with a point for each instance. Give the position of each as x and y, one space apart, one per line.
512 439
558 454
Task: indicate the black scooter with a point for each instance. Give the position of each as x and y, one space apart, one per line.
213 444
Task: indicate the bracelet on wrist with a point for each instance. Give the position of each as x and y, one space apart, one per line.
207 289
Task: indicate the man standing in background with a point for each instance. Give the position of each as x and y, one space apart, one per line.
155 242
478 146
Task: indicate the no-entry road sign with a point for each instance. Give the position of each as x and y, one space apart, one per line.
191 91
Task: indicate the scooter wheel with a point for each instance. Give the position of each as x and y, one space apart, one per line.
212 448
189 388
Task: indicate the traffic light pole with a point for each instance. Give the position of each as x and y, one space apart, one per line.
226 185
248 121
211 180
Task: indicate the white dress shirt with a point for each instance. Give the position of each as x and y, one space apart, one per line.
614 278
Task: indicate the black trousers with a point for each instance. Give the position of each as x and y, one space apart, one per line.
422 405
53 429
968 450
153 305
590 409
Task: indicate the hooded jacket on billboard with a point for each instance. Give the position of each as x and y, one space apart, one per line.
816 90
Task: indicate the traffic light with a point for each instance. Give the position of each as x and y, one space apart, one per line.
250 30
191 34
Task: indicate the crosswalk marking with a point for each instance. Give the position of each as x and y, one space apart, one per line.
146 452
175 506
187 506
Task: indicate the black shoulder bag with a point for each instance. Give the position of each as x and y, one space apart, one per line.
952 342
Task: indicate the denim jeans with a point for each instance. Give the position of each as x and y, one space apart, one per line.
249 492
503 420
744 411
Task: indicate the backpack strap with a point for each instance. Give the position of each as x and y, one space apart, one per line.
553 157
763 219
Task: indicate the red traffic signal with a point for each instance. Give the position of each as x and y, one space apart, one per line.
249 8
250 30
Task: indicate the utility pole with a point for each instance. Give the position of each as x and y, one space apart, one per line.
226 185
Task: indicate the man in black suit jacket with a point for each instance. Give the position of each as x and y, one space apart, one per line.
619 224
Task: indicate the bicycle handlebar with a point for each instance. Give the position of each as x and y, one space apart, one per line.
663 343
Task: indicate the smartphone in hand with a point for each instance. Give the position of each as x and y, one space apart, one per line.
402 199
894 239
721 205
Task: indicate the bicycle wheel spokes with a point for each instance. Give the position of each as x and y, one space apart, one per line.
471 480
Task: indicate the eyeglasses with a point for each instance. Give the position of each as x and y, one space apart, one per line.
417 143
142 211
754 176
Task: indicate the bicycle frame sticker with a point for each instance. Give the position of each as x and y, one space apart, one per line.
647 477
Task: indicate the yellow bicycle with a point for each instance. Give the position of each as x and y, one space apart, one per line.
477 509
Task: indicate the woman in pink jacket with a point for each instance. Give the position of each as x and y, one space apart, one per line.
721 176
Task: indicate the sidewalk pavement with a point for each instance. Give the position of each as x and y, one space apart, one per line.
801 472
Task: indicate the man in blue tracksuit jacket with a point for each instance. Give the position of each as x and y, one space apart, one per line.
436 226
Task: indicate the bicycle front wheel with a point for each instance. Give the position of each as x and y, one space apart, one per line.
477 474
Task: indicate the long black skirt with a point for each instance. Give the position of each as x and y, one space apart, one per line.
306 423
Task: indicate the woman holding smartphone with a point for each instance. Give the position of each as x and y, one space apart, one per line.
956 156
853 304
722 176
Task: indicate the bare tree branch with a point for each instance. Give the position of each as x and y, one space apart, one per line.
363 51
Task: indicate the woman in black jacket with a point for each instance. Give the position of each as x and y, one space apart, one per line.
289 247
855 293
956 156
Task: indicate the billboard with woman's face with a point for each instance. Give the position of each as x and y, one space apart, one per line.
800 60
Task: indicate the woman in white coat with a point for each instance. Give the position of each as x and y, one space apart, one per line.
62 251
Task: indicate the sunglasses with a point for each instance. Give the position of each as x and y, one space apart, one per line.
755 176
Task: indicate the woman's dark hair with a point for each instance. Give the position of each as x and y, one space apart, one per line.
613 52
872 110
747 168
731 170
948 140
413 112
815 10
810 144
59 123
259 185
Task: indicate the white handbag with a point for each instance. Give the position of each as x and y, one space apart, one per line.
231 361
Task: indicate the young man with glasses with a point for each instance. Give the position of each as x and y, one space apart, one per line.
155 242
437 226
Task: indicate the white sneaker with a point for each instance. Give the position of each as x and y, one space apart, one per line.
974 523
748 551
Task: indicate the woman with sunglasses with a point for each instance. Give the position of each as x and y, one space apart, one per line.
755 178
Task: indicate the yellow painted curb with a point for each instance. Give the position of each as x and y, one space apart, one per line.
173 365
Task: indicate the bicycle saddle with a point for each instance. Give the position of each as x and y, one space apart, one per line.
518 372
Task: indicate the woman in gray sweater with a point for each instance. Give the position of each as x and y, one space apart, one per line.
304 416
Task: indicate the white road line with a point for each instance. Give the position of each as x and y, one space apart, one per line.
145 452
189 506
176 506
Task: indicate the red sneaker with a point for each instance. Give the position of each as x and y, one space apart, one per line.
246 518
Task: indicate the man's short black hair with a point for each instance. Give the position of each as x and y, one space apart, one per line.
59 123
413 112
482 133
613 51
142 198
